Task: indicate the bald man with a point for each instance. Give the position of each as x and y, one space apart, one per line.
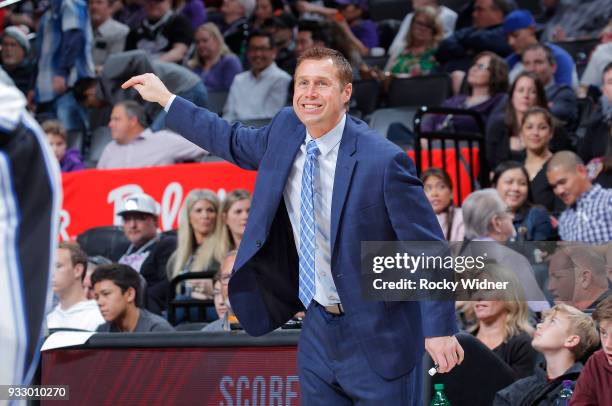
588 216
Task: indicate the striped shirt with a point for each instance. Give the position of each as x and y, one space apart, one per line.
590 219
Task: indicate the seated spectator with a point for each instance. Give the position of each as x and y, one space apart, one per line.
129 12
15 60
149 251
117 288
575 19
487 218
503 129
282 28
416 58
564 337
600 58
212 60
198 248
193 10
69 159
108 34
163 34
357 25
265 10
135 146
234 215
223 323
588 216
74 310
439 191
595 148
118 67
218 298
537 129
92 264
578 277
486 34
310 34
532 223
520 29
445 15
503 324
562 101
339 40
595 381
265 83
234 25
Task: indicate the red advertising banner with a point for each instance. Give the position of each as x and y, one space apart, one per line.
92 196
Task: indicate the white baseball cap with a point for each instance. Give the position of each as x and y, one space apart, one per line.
137 203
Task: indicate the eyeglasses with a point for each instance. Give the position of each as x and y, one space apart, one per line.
225 279
423 24
259 49
481 66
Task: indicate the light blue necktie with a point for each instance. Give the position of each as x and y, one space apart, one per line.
308 226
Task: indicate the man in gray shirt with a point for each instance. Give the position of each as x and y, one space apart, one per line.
117 290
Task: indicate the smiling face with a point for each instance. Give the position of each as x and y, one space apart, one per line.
525 94
536 61
319 97
438 193
536 133
202 217
512 187
260 53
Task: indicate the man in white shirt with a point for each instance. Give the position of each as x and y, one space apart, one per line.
109 34
260 92
73 310
135 146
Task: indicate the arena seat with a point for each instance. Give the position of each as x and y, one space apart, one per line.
382 118
430 90
365 96
216 101
108 241
386 9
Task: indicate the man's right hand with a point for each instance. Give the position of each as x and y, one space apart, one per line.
150 88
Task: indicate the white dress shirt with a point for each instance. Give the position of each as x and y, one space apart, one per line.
109 38
325 169
83 315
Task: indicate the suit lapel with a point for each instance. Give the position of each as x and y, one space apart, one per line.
342 178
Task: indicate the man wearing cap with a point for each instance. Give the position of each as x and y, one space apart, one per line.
520 29
15 61
149 251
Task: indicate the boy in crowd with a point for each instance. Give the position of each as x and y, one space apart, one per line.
564 336
595 383
118 290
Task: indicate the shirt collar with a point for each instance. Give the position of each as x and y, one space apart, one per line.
589 194
327 142
264 72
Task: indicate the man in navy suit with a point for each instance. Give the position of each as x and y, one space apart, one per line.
326 182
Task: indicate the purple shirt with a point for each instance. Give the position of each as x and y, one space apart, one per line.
72 161
366 32
220 76
194 11
462 123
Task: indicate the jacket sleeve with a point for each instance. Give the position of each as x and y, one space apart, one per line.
235 143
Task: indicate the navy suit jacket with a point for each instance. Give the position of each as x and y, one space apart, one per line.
376 197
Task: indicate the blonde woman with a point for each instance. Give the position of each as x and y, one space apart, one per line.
233 219
213 60
198 241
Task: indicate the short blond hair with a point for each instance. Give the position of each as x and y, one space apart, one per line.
581 324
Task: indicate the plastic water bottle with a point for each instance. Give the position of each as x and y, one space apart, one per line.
565 395
439 398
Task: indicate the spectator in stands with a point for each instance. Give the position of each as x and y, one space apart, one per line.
212 60
439 191
136 146
193 10
92 264
118 293
562 101
537 129
339 40
445 15
503 323
198 247
356 24
595 148
227 318
109 35
266 85
578 277
564 337
532 223
163 34
235 26
520 29
310 34
64 43
265 10
220 306
575 19
14 51
600 58
69 159
129 12
503 129
588 217
595 381
282 29
74 310
149 251
486 34
416 58
234 215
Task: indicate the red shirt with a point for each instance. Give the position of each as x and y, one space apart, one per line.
594 386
